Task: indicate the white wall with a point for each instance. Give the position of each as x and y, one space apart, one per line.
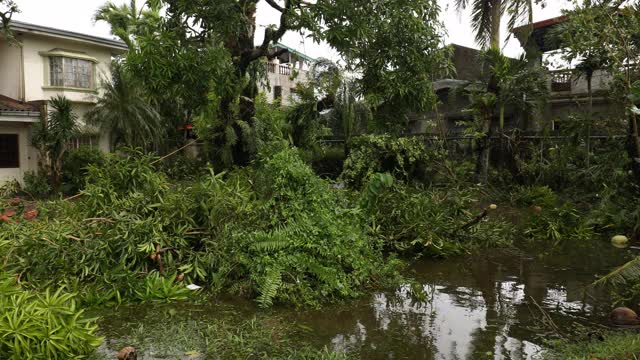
28 154
10 82
35 66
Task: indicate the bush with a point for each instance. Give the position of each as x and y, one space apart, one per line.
182 168
244 233
75 167
42 326
525 196
36 184
559 224
417 221
404 158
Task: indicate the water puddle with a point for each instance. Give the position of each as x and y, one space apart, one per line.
483 306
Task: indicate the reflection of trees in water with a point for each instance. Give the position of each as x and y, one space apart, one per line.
476 306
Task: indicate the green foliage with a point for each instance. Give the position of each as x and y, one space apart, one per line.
182 167
525 196
559 224
170 332
50 137
44 325
161 289
404 158
124 112
36 184
418 221
614 346
274 232
74 166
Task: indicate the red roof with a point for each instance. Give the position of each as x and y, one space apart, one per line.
9 104
544 23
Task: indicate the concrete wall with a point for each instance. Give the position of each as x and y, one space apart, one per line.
10 70
285 81
28 154
36 67
24 74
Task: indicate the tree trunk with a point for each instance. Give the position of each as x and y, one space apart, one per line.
484 151
589 116
634 147
484 143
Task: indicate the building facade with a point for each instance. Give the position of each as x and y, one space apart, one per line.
46 63
284 73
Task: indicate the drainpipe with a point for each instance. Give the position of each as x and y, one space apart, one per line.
22 91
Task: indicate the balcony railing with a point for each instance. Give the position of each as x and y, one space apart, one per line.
561 81
278 68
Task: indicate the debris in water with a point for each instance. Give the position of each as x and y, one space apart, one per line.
620 241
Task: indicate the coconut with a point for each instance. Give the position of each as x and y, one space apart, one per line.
620 241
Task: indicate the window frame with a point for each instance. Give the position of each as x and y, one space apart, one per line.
63 55
14 164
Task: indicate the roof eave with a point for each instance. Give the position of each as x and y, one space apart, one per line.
117 47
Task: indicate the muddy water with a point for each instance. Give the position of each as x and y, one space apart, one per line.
482 306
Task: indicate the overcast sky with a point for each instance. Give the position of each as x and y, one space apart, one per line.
76 15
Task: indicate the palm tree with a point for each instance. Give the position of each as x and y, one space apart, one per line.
486 20
487 16
124 111
50 137
129 21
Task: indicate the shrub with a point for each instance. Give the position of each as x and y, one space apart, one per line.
42 326
417 221
305 246
74 167
36 184
246 233
558 224
182 167
404 158
525 196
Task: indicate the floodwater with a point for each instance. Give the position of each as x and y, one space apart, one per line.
481 306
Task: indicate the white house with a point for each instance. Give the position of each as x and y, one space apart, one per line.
285 72
48 62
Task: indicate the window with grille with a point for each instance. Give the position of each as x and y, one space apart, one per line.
75 143
9 152
70 72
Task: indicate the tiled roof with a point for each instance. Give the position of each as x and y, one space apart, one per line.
9 104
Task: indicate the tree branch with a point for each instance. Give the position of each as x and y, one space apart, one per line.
275 5
277 53
271 35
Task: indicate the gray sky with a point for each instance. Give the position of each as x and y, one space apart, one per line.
76 15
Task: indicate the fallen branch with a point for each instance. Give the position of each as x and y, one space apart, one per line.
107 220
475 221
174 152
153 163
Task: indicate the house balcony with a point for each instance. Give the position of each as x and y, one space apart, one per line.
566 84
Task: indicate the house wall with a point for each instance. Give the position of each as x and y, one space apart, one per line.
10 81
286 82
36 67
28 154
24 75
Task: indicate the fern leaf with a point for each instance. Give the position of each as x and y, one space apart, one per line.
628 272
270 286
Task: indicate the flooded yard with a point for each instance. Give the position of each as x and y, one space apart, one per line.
481 306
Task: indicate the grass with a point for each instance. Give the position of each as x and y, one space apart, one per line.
612 346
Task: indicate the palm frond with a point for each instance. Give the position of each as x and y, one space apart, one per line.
629 272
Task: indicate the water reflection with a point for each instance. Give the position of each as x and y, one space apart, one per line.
479 307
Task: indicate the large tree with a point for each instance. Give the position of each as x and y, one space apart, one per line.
605 34
487 18
205 51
